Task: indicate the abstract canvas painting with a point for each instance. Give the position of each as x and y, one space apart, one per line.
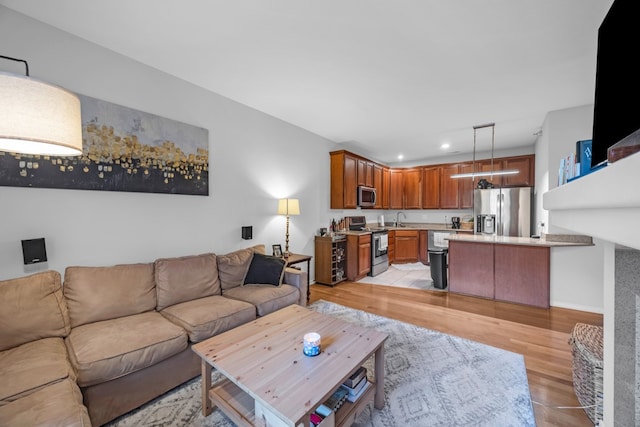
123 150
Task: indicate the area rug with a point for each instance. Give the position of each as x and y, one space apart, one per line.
413 275
431 379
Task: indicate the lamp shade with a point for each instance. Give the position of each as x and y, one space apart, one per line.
288 207
38 118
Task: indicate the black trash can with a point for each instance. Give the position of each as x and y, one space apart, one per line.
438 266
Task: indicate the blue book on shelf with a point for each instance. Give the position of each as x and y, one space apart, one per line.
583 156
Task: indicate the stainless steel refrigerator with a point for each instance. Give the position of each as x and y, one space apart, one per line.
503 211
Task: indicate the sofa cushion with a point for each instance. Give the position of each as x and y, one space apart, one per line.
31 366
101 293
205 317
266 298
57 405
265 270
233 266
186 278
32 308
106 350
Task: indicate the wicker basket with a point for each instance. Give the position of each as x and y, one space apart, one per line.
586 349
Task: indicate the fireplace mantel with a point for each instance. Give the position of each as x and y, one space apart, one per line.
604 204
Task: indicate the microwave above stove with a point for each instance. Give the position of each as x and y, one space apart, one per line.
366 196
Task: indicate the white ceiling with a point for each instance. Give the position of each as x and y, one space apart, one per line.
382 76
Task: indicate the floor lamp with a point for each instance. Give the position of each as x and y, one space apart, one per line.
288 207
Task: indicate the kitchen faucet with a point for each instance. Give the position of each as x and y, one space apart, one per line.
398 223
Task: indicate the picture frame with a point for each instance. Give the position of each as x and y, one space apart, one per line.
277 250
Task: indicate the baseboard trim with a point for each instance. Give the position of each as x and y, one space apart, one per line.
598 310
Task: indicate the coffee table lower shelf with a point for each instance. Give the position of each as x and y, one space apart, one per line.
239 406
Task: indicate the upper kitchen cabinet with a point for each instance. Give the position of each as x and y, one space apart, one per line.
344 184
449 187
465 187
396 192
525 165
348 171
431 187
365 173
405 188
385 198
486 166
378 184
412 180
425 187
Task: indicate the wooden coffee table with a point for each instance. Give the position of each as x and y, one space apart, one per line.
269 381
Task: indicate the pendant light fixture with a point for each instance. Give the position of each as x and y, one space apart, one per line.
491 173
37 117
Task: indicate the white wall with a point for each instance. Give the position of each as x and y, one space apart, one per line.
577 273
254 160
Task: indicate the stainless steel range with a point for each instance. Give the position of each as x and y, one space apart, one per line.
379 248
379 244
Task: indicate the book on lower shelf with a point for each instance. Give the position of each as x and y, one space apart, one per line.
355 378
353 397
356 388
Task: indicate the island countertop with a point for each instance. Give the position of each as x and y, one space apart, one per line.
551 240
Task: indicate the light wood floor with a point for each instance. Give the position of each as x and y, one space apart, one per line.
540 335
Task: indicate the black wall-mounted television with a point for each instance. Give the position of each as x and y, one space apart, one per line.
616 114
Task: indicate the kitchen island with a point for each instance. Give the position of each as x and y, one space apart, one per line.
511 269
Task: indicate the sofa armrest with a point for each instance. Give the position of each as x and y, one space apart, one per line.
297 278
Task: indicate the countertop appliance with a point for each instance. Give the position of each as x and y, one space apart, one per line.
455 222
379 244
503 211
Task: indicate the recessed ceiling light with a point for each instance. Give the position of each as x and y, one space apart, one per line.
400 156
445 146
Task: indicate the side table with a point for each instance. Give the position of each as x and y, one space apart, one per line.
296 259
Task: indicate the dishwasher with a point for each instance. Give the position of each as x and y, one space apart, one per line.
437 249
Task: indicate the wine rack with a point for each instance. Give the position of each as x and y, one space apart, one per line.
330 259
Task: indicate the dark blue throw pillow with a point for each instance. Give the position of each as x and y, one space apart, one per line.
265 270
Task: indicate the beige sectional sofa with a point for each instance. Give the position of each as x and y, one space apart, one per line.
120 336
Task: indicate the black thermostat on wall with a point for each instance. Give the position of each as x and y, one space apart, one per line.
34 251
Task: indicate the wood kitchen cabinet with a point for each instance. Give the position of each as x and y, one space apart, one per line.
330 259
396 193
365 173
391 248
449 187
344 180
426 187
431 187
405 189
465 187
485 166
525 165
423 252
456 193
411 187
406 246
386 187
526 171
378 185
358 256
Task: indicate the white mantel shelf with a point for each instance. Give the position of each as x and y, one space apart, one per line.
604 204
